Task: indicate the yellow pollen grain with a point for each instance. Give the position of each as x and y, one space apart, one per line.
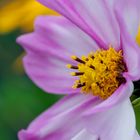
73 57
68 66
74 86
72 74
102 71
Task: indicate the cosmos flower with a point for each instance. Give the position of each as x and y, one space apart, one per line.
20 14
95 39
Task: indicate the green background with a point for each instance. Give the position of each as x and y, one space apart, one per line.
20 100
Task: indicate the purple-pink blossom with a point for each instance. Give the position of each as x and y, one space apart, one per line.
85 26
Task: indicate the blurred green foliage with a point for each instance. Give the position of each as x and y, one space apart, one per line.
137 112
20 100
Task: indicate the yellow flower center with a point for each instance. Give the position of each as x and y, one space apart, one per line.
100 73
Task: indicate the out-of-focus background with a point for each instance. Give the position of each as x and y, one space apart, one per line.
20 100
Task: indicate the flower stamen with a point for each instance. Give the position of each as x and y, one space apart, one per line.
100 73
77 73
72 67
77 59
80 85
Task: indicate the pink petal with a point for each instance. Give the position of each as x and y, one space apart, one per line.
49 49
130 12
95 17
23 135
49 73
62 33
131 51
63 121
136 136
68 119
116 123
85 135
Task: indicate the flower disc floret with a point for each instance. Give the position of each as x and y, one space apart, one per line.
100 73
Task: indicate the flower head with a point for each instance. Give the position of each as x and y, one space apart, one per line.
96 40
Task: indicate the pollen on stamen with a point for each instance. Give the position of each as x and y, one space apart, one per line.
71 66
100 73
91 66
77 59
78 85
77 73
